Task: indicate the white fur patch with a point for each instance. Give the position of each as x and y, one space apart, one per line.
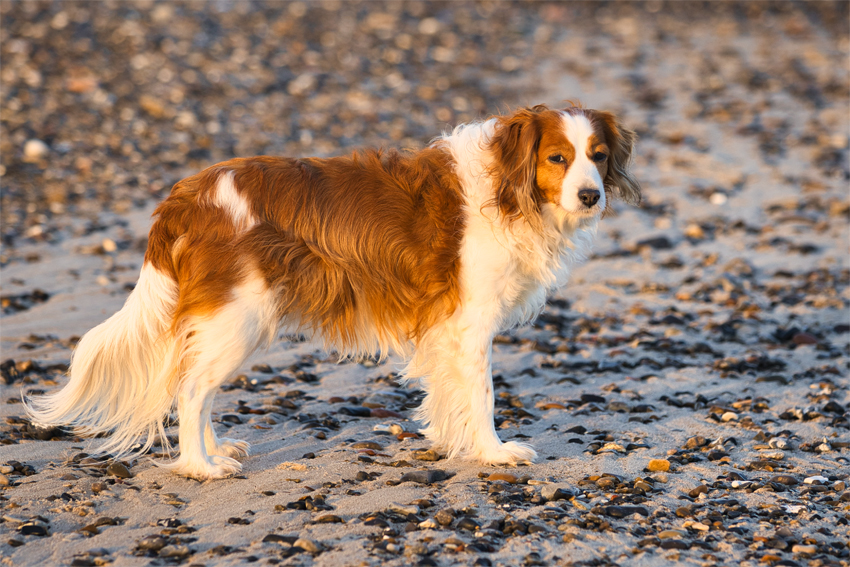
228 198
506 271
582 173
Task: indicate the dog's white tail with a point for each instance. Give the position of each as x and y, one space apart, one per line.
121 371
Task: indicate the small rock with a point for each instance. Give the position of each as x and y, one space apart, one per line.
329 519
401 509
815 480
467 523
671 534
506 477
367 445
624 511
308 545
658 465
4 480
429 455
839 485
119 470
34 150
785 479
33 527
674 544
424 477
175 551
804 549
445 516
151 543
552 492
728 416
429 524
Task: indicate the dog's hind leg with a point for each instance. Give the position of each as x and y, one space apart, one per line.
215 347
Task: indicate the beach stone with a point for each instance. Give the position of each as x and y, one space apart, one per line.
402 509
429 524
506 477
34 527
815 480
308 545
428 455
624 511
151 543
175 551
4 480
367 445
119 470
552 492
804 549
671 534
785 479
445 516
34 150
425 477
467 523
674 544
658 465
839 485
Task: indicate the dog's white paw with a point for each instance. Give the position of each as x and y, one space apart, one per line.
216 467
232 448
510 453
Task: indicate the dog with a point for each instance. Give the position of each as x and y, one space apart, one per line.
428 254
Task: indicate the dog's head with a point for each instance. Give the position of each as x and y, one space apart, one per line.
576 159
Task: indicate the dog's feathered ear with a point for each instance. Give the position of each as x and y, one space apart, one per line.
514 147
621 142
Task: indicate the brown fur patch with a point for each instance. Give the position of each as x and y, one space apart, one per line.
366 243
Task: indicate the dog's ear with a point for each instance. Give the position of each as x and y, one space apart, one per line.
621 142
514 147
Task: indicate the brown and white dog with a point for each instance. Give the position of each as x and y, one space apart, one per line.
429 254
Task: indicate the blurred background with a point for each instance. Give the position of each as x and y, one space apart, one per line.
106 104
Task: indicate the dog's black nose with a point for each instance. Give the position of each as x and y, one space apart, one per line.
588 197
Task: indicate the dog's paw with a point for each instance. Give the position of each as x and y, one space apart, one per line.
510 453
232 448
216 467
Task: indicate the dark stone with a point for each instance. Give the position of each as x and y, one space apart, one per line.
674 544
425 477
624 511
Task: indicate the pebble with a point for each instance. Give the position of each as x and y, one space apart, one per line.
151 543
658 465
445 516
4 480
425 477
671 534
119 470
785 479
175 551
624 511
728 416
34 150
402 509
429 455
429 524
552 492
308 545
815 480
804 549
506 477
839 485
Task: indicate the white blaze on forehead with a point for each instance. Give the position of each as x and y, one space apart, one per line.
228 198
582 172
578 129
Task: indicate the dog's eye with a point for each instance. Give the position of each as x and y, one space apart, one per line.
599 157
557 159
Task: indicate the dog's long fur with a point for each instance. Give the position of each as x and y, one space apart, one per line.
428 254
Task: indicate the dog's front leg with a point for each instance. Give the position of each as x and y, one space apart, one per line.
459 402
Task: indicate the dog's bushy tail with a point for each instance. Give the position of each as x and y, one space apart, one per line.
120 373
